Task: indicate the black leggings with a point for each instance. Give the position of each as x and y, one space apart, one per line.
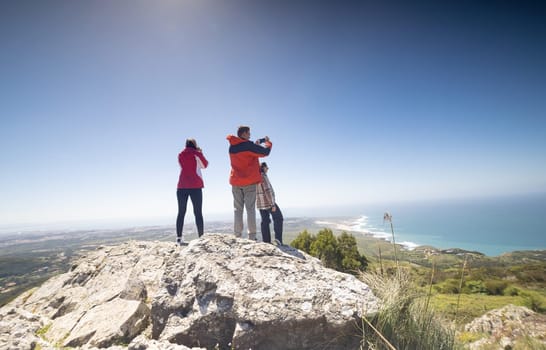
196 195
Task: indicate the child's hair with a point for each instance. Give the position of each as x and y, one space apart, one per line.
242 129
191 143
262 166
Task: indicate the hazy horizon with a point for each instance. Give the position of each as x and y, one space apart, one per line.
317 211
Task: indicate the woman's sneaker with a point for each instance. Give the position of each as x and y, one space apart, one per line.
179 241
279 243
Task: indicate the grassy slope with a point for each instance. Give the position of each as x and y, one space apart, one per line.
520 275
517 278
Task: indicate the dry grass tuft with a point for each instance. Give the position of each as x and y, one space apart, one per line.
405 321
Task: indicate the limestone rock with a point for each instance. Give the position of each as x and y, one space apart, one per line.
505 326
115 321
241 294
18 328
143 343
98 303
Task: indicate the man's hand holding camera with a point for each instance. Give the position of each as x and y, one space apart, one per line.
262 140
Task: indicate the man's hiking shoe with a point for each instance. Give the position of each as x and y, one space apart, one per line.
279 243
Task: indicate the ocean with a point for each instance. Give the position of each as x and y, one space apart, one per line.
491 226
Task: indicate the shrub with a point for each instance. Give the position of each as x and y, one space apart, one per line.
303 241
325 248
449 286
534 301
339 253
351 259
495 287
511 291
474 287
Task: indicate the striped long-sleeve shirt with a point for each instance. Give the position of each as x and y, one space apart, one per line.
265 196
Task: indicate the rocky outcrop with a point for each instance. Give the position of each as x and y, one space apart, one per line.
102 301
218 292
240 294
503 328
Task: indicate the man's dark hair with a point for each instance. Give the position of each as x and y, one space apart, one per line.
242 129
191 143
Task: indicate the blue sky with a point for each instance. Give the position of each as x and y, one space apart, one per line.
364 103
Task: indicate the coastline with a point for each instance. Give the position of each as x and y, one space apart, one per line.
362 225
358 226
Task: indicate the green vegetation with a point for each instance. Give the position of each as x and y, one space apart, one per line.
42 331
436 292
470 306
339 253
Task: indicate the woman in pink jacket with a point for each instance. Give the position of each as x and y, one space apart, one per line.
190 184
